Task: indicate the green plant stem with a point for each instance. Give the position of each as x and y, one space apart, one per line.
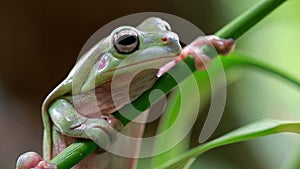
74 153
248 19
235 29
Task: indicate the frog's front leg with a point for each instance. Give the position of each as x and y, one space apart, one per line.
69 122
202 61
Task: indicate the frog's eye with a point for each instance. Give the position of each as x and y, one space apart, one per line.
126 41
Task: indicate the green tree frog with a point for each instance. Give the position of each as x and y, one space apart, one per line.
69 112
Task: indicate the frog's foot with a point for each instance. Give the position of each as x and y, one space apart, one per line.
113 122
32 160
223 46
202 61
103 131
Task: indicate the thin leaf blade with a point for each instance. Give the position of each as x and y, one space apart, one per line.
254 130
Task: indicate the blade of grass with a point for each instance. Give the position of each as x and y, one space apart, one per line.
251 131
238 59
187 164
172 136
166 83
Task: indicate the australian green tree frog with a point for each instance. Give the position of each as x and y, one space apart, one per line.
81 106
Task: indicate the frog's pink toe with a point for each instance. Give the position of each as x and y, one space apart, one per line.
229 45
28 160
202 61
166 67
45 165
114 122
31 160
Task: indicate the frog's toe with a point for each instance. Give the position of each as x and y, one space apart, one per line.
28 160
45 165
33 160
224 46
229 45
102 131
202 61
114 122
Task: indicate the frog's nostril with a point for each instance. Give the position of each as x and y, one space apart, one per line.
164 39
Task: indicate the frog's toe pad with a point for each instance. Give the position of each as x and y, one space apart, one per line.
45 165
33 160
228 46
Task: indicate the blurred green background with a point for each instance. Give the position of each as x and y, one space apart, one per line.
40 41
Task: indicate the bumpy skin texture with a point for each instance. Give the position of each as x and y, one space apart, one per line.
99 84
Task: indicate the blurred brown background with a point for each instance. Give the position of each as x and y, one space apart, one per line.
40 42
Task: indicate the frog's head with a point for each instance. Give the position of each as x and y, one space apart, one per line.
128 52
125 50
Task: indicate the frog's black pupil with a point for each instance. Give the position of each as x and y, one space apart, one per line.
167 28
127 40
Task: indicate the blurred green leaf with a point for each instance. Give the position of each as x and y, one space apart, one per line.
250 131
242 60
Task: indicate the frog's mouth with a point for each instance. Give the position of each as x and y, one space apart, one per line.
154 63
151 58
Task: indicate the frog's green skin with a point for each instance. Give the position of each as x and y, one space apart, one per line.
157 44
